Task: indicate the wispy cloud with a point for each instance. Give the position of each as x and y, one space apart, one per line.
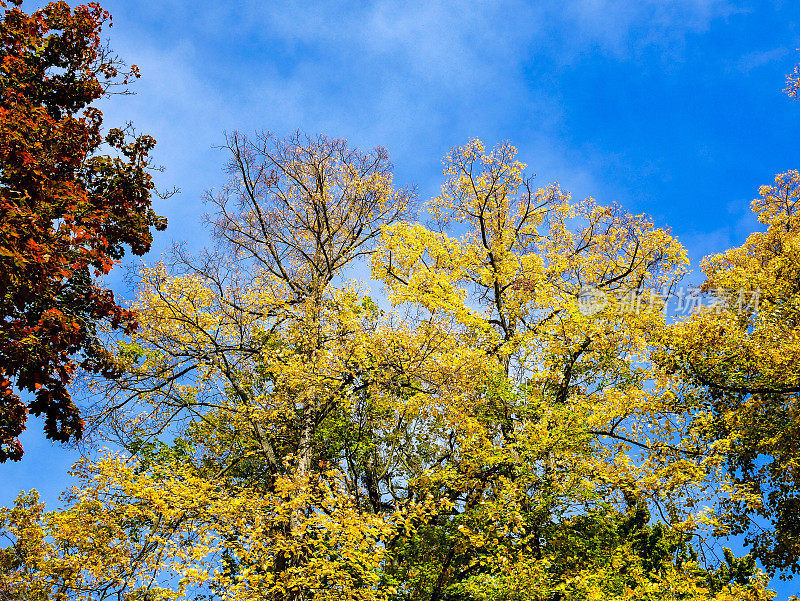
620 26
416 78
755 60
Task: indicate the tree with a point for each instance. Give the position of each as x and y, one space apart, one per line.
737 365
738 362
67 212
793 83
562 300
254 340
493 436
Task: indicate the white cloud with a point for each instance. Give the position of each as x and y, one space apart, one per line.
621 26
755 60
416 78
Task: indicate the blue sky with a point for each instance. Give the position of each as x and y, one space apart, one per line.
673 109
670 108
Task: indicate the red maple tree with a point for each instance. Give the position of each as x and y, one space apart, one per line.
67 213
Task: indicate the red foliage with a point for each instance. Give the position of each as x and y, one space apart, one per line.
66 212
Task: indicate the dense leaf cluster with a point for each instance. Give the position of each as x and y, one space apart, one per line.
67 213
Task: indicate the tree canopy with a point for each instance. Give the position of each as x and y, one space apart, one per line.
510 415
67 213
488 437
